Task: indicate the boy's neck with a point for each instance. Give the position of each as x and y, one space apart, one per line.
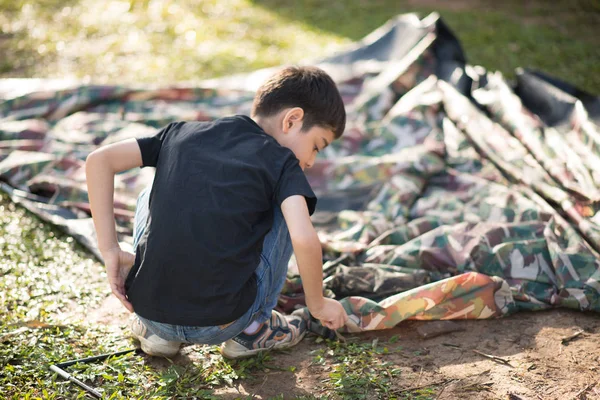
267 125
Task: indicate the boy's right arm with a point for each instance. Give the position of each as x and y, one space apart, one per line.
101 167
309 256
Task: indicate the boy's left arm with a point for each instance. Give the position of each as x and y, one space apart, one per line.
101 167
307 249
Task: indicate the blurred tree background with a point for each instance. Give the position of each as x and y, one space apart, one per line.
163 41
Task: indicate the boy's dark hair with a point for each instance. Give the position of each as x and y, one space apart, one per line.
309 88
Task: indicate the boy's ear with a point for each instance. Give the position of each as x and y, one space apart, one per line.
292 119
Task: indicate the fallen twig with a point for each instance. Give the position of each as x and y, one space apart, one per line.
487 371
423 386
512 396
276 368
389 374
263 384
454 346
585 389
35 324
340 337
478 384
8 335
493 358
440 393
567 339
420 376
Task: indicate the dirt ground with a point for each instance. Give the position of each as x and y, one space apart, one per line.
540 364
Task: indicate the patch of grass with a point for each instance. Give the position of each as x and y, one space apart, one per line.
153 41
358 369
428 393
42 270
187 40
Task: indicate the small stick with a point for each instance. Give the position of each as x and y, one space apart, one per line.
567 339
444 387
560 347
493 358
389 374
263 384
442 382
420 375
8 335
512 396
340 337
478 384
422 386
440 393
582 391
454 346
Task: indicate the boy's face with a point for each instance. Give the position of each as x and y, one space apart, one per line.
305 145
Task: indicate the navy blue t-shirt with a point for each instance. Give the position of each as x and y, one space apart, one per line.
211 205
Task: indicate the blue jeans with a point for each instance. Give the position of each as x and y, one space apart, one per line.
270 273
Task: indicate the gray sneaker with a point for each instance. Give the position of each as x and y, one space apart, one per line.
152 344
280 332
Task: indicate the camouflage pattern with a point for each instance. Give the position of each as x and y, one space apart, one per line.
466 296
446 198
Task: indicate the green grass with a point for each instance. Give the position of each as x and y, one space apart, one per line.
161 42
363 370
359 369
166 41
558 37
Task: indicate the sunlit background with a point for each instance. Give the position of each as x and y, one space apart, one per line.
164 41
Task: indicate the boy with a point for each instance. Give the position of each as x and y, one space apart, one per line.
214 233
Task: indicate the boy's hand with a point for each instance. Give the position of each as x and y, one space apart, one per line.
331 314
118 264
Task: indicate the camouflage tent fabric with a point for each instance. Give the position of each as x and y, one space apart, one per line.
453 194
